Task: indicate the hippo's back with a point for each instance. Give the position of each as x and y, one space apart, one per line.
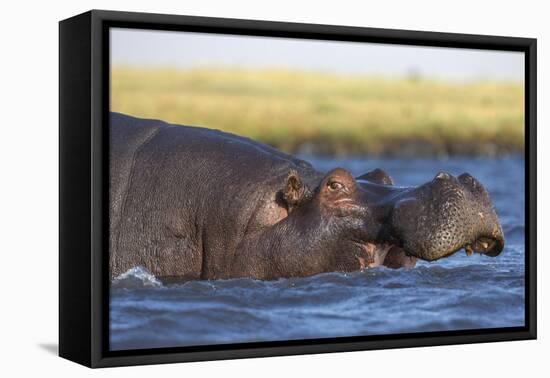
178 191
127 134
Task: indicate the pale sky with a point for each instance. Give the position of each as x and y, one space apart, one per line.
188 50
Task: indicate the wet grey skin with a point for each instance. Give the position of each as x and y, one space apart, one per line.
192 203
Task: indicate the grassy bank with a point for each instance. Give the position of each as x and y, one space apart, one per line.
324 113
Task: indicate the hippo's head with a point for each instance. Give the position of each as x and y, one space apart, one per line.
394 225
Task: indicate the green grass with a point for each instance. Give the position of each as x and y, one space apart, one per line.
330 113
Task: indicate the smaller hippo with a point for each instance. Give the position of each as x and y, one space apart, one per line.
193 203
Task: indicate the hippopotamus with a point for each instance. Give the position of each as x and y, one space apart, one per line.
199 204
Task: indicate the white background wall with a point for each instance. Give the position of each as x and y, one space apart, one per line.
29 189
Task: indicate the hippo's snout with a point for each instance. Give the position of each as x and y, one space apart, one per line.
445 215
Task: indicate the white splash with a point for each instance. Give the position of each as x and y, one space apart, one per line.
134 278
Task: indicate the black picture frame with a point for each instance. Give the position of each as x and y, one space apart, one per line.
83 195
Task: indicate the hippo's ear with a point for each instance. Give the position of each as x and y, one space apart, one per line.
377 176
295 191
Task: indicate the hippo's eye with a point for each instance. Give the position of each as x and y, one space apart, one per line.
335 186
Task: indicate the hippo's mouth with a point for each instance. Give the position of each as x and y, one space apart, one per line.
390 255
395 256
485 245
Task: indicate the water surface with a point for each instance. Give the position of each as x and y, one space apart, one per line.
456 293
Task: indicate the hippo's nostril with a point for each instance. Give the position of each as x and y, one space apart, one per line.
442 176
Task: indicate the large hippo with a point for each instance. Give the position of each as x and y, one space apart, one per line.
195 203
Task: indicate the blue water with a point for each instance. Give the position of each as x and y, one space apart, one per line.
456 293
